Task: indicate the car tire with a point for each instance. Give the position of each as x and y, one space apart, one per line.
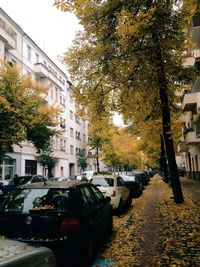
110 227
88 252
129 203
120 207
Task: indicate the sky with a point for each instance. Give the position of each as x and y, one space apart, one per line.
51 29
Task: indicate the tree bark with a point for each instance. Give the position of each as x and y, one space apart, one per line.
97 159
166 122
163 160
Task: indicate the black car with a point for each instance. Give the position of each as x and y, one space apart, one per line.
134 183
70 217
143 174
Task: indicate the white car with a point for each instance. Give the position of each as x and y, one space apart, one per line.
113 186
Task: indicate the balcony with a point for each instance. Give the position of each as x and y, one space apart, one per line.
191 138
198 129
196 85
196 29
190 102
8 35
197 63
41 70
182 147
56 80
188 59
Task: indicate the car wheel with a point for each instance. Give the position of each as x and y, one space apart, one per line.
129 202
110 227
120 207
89 252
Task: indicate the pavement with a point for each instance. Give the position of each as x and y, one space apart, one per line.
156 232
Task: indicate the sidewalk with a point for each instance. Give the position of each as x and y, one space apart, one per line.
157 233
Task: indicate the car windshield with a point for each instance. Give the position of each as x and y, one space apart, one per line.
103 181
36 199
129 178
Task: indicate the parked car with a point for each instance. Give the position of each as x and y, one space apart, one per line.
21 180
18 254
70 217
134 183
58 178
114 187
144 177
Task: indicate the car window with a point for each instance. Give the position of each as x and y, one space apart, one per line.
129 178
88 197
37 199
103 181
98 195
37 178
120 181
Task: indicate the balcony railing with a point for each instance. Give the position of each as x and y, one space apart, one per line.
190 138
190 102
41 70
182 147
198 129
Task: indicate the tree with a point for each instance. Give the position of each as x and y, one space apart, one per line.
122 150
24 114
133 47
82 159
46 159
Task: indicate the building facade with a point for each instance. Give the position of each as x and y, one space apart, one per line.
189 145
18 48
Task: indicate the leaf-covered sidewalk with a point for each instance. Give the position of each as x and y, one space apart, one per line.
158 232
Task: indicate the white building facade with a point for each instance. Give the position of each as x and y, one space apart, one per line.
18 48
189 145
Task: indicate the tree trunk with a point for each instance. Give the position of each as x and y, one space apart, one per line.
166 122
163 160
97 159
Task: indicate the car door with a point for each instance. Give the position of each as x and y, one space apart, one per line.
93 211
122 188
106 209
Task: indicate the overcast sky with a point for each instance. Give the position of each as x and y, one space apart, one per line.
51 29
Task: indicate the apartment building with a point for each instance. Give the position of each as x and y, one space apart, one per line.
17 47
189 145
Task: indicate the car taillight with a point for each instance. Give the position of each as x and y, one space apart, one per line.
113 193
69 225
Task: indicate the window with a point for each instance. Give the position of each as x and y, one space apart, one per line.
71 132
36 58
62 101
51 90
98 195
28 52
120 181
77 119
30 167
71 115
62 144
57 94
84 137
62 123
71 150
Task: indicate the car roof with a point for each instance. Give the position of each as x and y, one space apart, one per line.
54 184
112 176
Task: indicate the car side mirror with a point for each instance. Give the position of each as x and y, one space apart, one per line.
108 199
